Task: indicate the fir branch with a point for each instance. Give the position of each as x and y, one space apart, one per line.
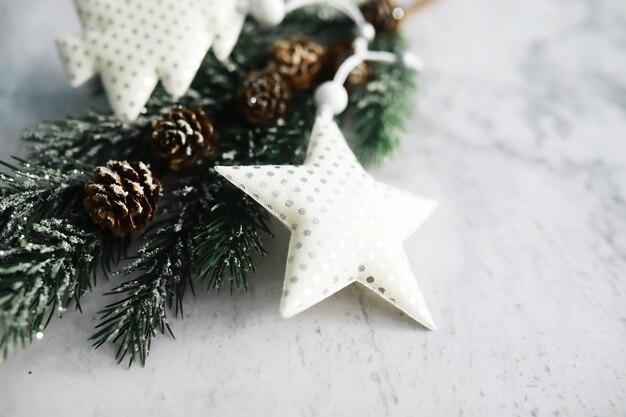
380 109
34 192
92 138
171 249
224 244
164 266
50 267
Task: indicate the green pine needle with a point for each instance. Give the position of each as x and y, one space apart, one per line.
34 192
162 269
378 110
48 268
224 244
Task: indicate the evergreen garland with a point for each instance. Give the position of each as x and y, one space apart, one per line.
206 230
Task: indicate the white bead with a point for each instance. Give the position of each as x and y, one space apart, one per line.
267 12
332 95
410 60
366 31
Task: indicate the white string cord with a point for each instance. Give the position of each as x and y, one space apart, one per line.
346 67
344 70
331 97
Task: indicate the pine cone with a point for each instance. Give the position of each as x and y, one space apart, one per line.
384 15
122 196
182 136
337 54
299 60
264 97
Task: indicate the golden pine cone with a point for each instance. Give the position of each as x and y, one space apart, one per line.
181 136
335 56
264 97
122 196
299 60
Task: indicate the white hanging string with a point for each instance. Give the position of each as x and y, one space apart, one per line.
347 66
331 96
407 59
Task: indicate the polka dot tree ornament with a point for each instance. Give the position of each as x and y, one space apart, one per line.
345 226
133 44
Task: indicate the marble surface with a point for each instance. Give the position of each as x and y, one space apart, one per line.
519 132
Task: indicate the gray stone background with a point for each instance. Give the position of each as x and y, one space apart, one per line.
519 132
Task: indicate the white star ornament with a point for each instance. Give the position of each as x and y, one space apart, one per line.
345 226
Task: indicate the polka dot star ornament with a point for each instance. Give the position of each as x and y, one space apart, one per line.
135 43
345 226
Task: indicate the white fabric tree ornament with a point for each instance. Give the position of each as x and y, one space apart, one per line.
135 43
345 226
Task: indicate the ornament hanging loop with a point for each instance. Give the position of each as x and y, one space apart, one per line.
331 97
